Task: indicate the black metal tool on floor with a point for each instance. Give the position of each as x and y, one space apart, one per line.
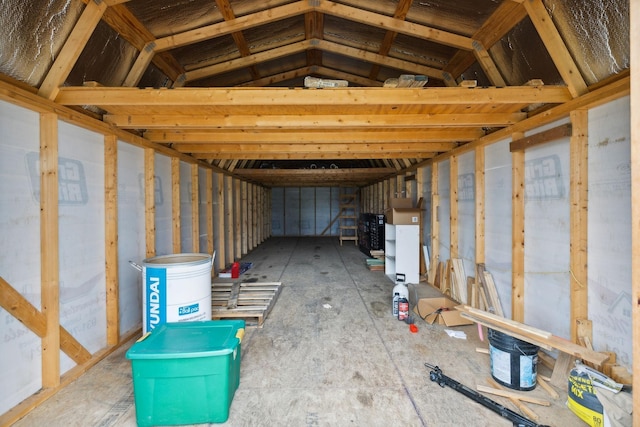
518 420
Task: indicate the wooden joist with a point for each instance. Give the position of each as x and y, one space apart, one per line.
249 301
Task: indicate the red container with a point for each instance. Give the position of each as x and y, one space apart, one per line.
235 270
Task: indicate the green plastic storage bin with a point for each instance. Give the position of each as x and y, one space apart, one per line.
187 372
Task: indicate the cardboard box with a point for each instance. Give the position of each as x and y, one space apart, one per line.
440 310
401 211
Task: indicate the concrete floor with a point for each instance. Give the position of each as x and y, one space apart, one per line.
329 354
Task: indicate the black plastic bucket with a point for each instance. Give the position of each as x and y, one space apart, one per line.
514 363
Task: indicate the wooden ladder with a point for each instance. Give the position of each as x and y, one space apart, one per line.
348 218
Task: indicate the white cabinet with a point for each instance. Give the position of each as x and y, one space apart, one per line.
402 252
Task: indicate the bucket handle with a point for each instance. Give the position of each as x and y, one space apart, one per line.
136 266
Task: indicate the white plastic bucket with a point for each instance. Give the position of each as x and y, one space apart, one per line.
176 288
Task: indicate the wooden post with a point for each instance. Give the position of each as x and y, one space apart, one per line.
49 243
209 201
229 217
195 208
579 183
111 237
250 210
149 201
222 251
453 202
245 219
175 204
237 217
254 215
479 201
420 193
517 234
435 220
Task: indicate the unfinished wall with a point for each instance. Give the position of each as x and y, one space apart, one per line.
304 211
131 233
186 211
81 213
466 211
163 204
610 228
498 240
20 364
93 316
547 235
550 226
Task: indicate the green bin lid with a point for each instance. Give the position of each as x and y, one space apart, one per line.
183 340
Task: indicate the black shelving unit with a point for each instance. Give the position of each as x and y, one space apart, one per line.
371 232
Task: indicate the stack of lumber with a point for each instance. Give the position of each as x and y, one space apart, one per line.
457 280
532 335
375 264
488 299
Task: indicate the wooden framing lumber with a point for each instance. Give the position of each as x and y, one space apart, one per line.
558 132
220 201
37 322
512 394
556 46
521 406
111 238
579 216
517 233
534 336
49 259
66 59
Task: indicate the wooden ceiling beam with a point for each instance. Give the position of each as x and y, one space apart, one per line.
392 24
341 75
372 149
447 137
277 78
556 47
506 16
238 37
248 61
182 97
306 45
401 13
228 27
376 58
127 26
71 50
337 155
155 121
314 29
